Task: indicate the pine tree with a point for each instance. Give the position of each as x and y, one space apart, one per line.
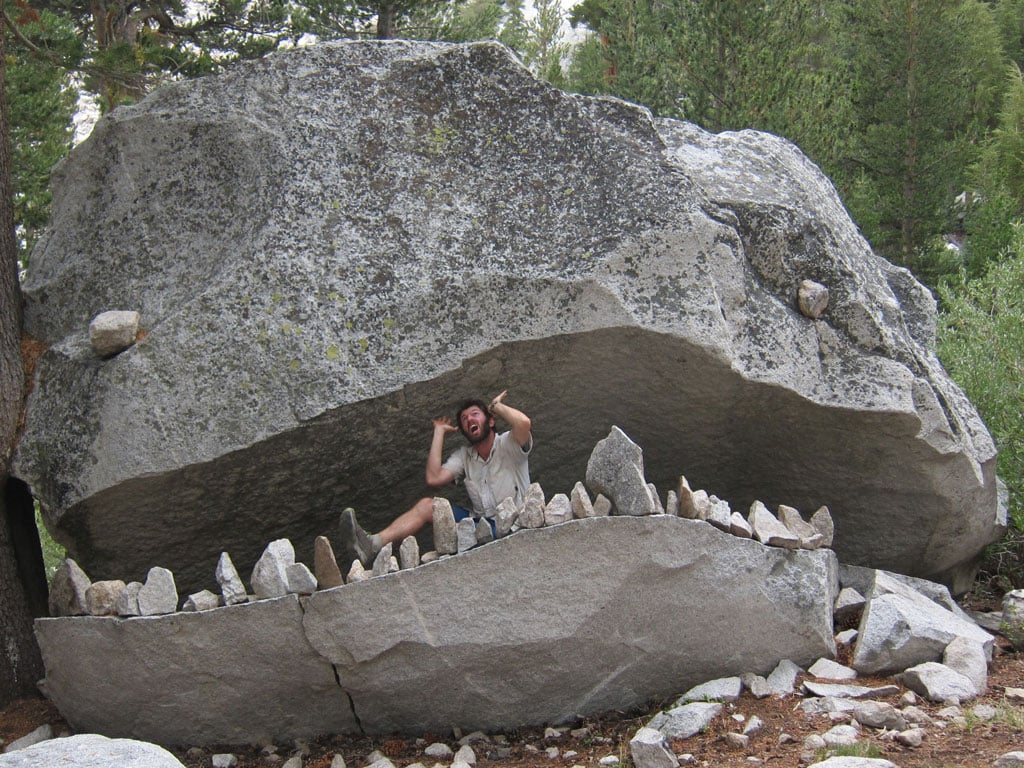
925 81
42 101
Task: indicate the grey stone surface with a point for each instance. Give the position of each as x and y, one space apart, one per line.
756 684
900 630
937 682
484 532
113 331
201 601
232 676
738 526
158 594
827 705
840 736
854 762
879 714
466 755
38 735
697 580
301 580
684 498
847 691
872 582
128 602
672 503
557 510
90 750
823 523
794 521
602 506
719 513
270 574
505 517
288 250
649 749
582 506
616 470
232 589
826 669
721 689
846 637
465 534
686 720
659 508
409 552
382 562
356 572
1012 618
531 515
782 679
67 590
1010 760
446 536
769 530
439 751
967 656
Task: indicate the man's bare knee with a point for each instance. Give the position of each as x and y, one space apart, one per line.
425 510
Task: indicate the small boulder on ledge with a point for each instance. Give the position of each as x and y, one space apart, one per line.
113 332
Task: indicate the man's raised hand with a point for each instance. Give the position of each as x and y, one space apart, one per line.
444 424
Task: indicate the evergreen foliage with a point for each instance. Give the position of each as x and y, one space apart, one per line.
41 100
925 83
981 343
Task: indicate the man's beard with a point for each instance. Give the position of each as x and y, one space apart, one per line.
485 432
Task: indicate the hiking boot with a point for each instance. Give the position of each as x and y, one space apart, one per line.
355 537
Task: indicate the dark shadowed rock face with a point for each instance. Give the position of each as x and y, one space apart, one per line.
330 246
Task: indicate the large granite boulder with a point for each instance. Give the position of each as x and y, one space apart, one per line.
543 626
333 245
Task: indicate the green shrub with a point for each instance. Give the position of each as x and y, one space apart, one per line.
981 343
53 553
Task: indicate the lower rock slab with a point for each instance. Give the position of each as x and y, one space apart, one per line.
231 675
543 626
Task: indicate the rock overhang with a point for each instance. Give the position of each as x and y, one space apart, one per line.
340 273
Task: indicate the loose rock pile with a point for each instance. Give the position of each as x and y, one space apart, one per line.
615 474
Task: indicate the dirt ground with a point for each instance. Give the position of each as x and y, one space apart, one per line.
971 744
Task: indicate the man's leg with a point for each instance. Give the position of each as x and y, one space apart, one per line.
366 547
408 523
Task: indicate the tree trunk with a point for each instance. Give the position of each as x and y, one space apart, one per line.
386 17
20 556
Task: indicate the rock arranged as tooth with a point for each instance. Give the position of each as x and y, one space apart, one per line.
270 574
325 565
67 590
158 595
232 589
616 469
446 538
409 553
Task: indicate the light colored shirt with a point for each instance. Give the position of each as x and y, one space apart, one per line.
506 473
